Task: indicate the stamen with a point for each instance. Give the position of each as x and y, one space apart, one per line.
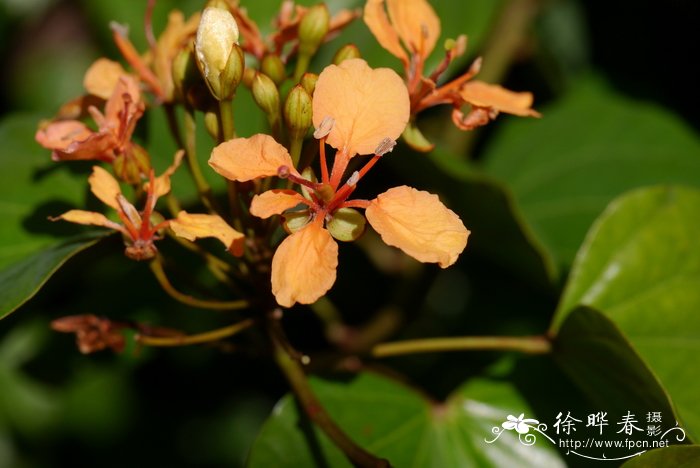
385 146
353 179
324 127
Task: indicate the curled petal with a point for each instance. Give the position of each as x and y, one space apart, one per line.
416 23
244 159
419 224
104 186
162 182
303 268
102 76
480 94
124 107
377 21
195 226
367 105
89 218
274 202
60 135
171 41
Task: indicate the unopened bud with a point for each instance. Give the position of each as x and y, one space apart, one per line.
185 72
348 51
130 166
385 146
313 29
211 123
308 174
266 95
249 76
308 81
324 128
273 67
297 112
346 224
217 33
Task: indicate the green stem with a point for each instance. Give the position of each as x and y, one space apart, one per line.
296 377
159 272
302 65
524 344
193 163
206 337
228 128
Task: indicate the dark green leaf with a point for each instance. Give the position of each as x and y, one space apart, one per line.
20 281
587 149
397 423
640 267
677 456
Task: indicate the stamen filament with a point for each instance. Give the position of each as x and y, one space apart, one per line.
132 56
322 158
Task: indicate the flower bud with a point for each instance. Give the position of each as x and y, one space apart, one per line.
297 112
348 51
211 123
185 72
346 224
309 175
273 67
308 81
313 29
217 34
266 96
130 166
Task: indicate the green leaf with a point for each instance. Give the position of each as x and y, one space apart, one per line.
602 363
587 149
677 456
640 267
20 281
395 422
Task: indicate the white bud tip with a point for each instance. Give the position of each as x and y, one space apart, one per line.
325 127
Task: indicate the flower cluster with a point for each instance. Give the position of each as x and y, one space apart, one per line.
356 110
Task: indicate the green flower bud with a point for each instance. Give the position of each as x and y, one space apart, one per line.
309 175
313 29
185 73
273 67
348 51
308 81
211 123
266 96
214 45
346 224
297 112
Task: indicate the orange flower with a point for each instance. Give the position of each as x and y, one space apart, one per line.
138 228
356 110
409 30
73 140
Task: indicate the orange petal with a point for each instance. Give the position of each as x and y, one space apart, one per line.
162 182
125 99
170 42
303 268
60 135
419 224
416 23
88 218
274 202
195 226
367 105
244 159
377 21
102 76
480 94
105 187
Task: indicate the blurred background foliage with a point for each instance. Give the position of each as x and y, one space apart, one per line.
617 85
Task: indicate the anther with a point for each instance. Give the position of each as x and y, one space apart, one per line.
385 146
353 179
324 127
283 172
